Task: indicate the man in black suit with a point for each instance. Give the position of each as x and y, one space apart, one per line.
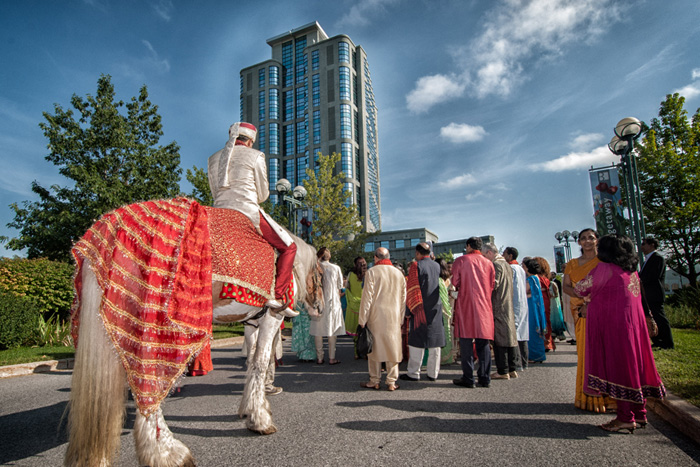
653 277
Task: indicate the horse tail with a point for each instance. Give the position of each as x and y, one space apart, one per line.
96 409
304 264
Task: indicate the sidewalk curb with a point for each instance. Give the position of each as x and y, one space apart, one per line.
23 369
684 416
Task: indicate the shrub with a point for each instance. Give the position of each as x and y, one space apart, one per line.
682 316
52 333
50 283
18 319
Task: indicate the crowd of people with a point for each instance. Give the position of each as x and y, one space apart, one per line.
440 312
487 309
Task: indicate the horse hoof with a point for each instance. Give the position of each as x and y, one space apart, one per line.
269 430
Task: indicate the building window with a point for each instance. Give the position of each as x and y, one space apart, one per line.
400 243
288 97
274 138
261 106
274 76
300 60
344 74
317 126
288 137
302 136
302 101
348 192
357 164
274 170
261 137
384 244
415 241
261 78
369 247
287 64
289 171
317 152
343 52
345 121
274 104
346 159
316 90
302 163
314 60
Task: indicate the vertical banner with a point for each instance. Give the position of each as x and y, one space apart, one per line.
560 258
607 201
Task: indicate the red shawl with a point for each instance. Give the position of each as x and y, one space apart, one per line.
414 298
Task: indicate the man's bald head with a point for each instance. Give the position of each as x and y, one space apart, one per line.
381 253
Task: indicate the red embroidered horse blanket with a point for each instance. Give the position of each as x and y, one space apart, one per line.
153 263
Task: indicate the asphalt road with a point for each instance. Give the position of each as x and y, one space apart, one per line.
325 418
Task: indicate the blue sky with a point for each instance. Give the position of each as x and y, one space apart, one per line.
490 112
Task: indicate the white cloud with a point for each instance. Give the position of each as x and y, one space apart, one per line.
476 195
516 36
462 133
159 64
431 90
586 141
600 156
459 181
361 13
696 73
690 91
163 8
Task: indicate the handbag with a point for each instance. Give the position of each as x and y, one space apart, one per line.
652 327
364 341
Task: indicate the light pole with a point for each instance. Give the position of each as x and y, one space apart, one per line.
627 131
294 202
563 237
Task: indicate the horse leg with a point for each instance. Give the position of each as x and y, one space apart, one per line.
96 408
155 444
254 404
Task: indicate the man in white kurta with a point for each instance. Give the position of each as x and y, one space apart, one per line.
238 180
382 310
520 311
330 324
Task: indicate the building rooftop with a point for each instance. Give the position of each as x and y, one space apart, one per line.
293 32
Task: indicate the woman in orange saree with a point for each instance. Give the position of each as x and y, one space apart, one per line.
576 270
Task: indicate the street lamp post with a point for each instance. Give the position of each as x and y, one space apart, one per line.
563 237
627 131
294 202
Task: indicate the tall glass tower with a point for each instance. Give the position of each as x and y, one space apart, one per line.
315 96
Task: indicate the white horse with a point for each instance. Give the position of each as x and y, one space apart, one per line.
97 405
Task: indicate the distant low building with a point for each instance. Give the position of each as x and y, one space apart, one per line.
402 243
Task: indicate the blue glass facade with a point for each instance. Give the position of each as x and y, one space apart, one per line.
372 181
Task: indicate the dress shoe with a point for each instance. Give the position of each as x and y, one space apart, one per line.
461 382
405 377
431 378
484 385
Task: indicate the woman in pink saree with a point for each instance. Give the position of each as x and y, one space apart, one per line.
619 360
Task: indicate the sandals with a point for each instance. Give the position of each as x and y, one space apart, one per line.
641 424
616 425
392 387
319 362
369 385
333 362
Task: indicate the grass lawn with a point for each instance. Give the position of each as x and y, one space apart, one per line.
680 368
40 354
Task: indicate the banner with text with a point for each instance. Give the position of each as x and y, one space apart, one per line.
560 258
607 201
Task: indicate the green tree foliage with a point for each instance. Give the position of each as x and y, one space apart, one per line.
111 158
48 283
18 320
200 186
334 223
669 177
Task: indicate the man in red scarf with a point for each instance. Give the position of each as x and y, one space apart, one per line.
474 277
424 306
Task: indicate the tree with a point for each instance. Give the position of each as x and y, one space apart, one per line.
112 159
335 220
200 186
669 178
